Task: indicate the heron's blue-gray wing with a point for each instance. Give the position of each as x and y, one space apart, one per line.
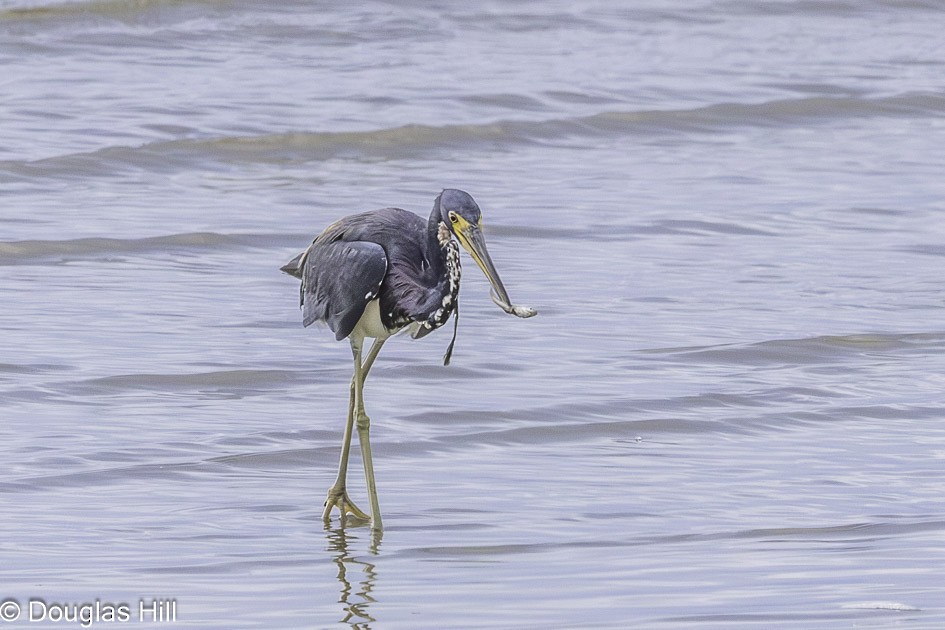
339 278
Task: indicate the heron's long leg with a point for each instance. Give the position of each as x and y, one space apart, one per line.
364 426
337 494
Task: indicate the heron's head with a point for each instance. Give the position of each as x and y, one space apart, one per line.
460 212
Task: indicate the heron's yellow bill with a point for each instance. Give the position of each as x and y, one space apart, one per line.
470 237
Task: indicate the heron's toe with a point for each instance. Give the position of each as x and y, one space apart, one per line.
338 498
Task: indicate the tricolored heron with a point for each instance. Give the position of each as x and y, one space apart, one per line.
376 273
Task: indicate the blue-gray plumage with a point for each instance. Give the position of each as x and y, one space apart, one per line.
391 255
375 273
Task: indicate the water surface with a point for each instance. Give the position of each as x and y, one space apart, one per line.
729 214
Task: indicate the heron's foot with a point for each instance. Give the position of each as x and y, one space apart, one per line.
338 497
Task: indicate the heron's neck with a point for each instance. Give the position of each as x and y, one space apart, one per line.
443 247
438 237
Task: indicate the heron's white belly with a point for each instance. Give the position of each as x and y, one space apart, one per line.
370 324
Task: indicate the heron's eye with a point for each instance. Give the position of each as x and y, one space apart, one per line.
454 217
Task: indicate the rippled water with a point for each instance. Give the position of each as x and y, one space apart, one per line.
730 215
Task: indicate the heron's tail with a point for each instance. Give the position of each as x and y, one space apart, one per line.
294 266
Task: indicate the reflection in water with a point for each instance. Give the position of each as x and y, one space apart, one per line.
355 603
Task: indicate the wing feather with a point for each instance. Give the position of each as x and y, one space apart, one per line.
339 278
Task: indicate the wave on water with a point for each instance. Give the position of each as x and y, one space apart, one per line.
823 7
808 351
44 251
521 21
776 113
103 8
417 141
226 379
